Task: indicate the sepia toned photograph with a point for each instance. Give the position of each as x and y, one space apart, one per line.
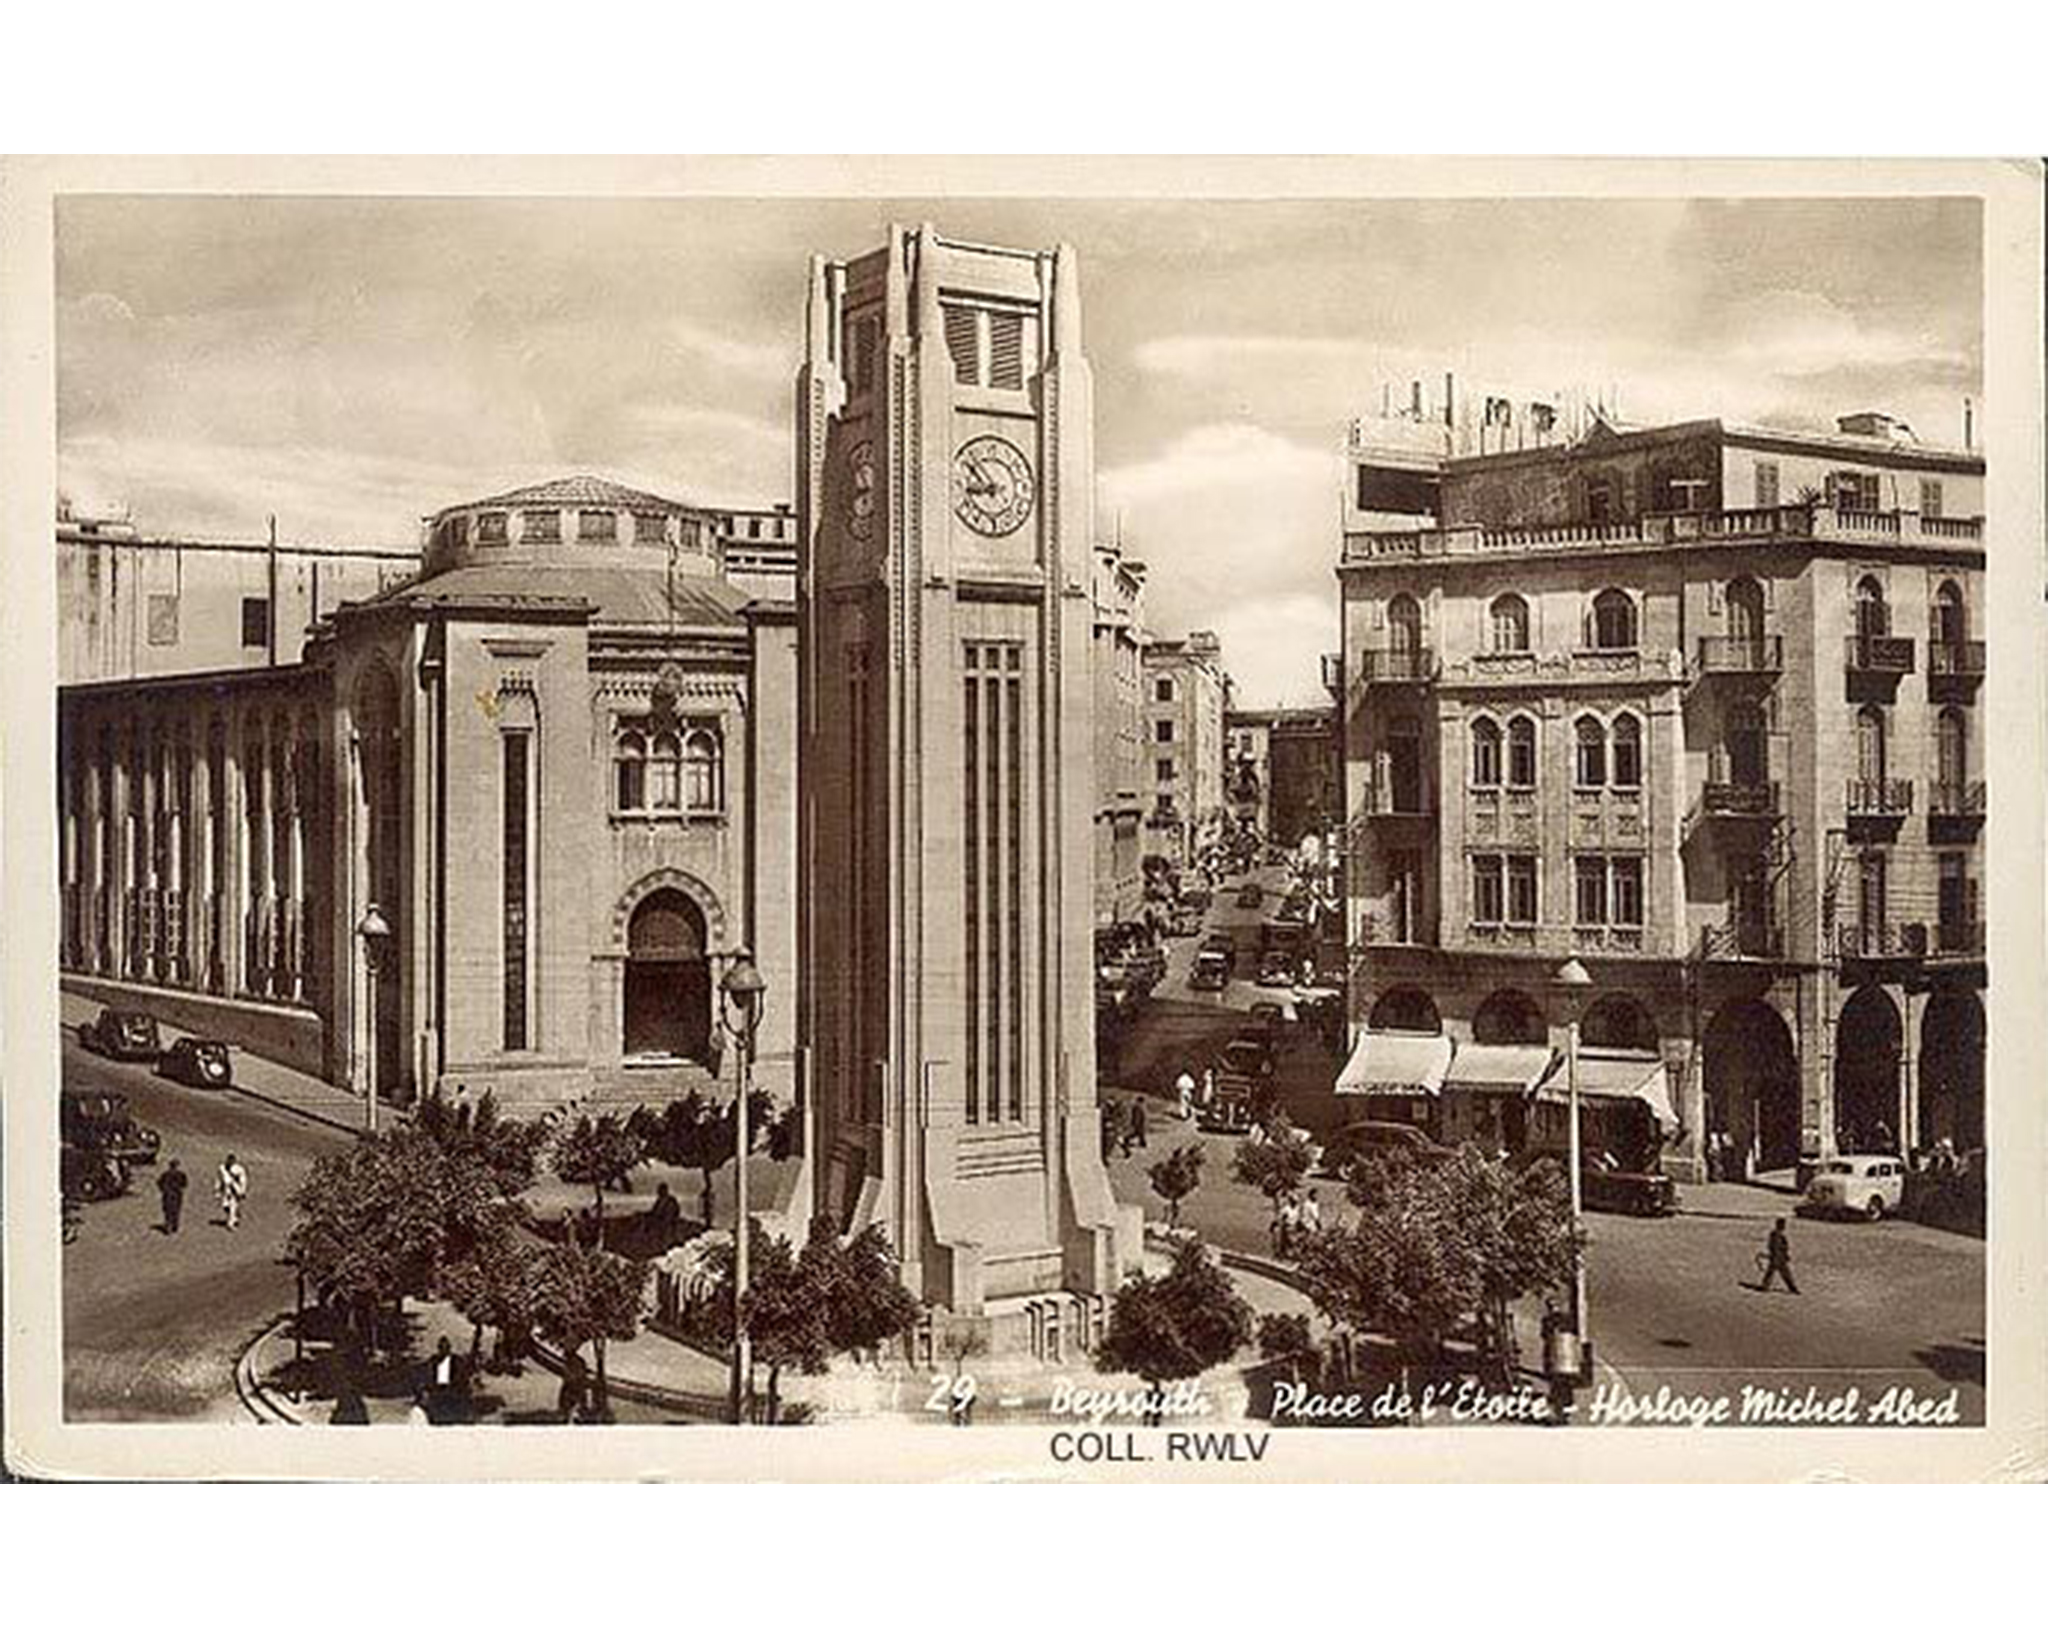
1152 826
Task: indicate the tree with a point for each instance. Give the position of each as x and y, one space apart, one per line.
1176 1177
497 1285
510 1148
385 1219
585 1294
1274 1160
1285 1340
1436 1245
1178 1325
692 1131
859 1284
598 1152
786 1320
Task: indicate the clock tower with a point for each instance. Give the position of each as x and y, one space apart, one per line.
946 490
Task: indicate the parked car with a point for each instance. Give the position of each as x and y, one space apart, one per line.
1146 965
197 1061
1857 1185
121 1033
91 1174
100 1121
1211 970
1277 967
1197 899
1245 1060
1250 896
1607 1185
1380 1139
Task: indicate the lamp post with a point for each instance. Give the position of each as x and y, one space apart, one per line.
375 932
1573 980
743 993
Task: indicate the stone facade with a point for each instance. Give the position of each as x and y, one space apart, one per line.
560 762
1187 696
1285 773
1661 699
946 475
1122 774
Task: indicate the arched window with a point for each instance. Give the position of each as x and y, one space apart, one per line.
1951 622
1618 1023
703 772
1404 625
1614 620
1485 752
1870 745
1745 610
1508 1018
1873 619
1589 769
1628 752
629 771
665 773
1510 620
1406 1009
1951 749
1522 752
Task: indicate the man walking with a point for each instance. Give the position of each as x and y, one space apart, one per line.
1184 1088
170 1188
1135 1132
1778 1258
234 1188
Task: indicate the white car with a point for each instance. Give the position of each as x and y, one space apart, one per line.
1862 1185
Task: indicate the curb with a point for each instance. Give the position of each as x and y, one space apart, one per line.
701 1406
256 1398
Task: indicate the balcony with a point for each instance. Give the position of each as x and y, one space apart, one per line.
1396 665
1721 803
1954 668
1394 802
1878 798
1956 799
1878 656
1743 939
1958 941
1740 526
1881 941
1762 656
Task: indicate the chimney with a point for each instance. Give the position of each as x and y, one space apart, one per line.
1969 425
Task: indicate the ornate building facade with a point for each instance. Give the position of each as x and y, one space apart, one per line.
946 473
1699 705
558 762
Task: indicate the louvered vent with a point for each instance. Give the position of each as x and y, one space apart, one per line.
1006 350
963 341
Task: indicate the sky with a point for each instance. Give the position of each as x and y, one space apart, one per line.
350 365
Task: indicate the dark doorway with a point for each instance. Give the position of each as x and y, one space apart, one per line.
668 980
1952 1071
1867 1074
1752 1083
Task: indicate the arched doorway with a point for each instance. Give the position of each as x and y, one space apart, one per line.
1408 1009
1752 1086
668 980
1952 1071
1509 1018
1867 1074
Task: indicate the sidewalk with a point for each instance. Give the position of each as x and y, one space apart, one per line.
289 1090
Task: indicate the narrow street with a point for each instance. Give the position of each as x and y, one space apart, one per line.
153 1324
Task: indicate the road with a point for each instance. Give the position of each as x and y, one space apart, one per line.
1673 1302
153 1324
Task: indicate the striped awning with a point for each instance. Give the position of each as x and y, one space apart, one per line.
1388 1064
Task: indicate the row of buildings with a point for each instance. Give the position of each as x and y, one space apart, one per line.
1699 705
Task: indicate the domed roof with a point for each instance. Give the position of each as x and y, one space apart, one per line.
581 490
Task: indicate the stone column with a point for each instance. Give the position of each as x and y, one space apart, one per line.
1912 1014
234 898
178 910
295 854
95 853
120 856
204 883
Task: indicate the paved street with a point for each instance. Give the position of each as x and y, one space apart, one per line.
1673 1300
153 1325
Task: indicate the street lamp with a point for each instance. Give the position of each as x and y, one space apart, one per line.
375 932
743 993
1573 979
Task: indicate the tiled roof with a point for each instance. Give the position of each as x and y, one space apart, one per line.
623 597
582 490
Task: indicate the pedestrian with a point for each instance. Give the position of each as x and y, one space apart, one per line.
575 1381
664 1218
1209 1088
1134 1133
1778 1258
233 1184
1312 1213
1289 1223
444 1375
1113 1134
170 1186
1881 1134
1184 1089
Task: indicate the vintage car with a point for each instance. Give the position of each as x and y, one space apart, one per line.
120 1033
1380 1139
196 1061
1250 896
1607 1185
1265 1022
1279 967
1866 1186
1211 970
91 1174
100 1121
1146 965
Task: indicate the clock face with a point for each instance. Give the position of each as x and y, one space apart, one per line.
860 502
992 486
